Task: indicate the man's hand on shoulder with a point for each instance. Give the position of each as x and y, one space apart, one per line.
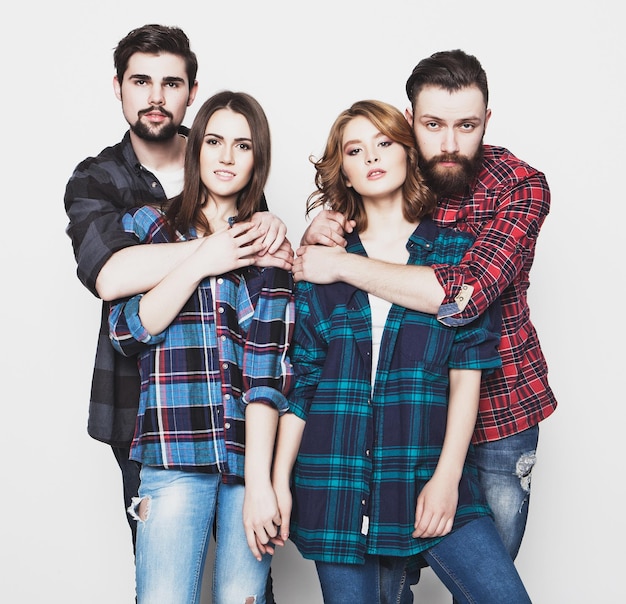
328 228
274 231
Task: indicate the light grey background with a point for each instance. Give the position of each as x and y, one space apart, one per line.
556 76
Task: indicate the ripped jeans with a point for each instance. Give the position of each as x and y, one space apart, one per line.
175 512
504 472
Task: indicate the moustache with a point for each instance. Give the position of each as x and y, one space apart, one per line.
155 110
449 158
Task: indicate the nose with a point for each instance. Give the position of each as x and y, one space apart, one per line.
449 143
156 96
371 157
227 156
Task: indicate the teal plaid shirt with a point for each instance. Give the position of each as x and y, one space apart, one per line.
367 452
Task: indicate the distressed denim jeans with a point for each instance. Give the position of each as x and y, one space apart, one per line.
175 512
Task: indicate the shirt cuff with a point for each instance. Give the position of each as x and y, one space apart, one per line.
135 326
267 396
448 311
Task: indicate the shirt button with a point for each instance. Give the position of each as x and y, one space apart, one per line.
362 501
224 365
367 452
220 280
154 185
223 338
227 425
227 397
220 309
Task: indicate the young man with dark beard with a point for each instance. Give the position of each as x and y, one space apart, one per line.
155 81
503 202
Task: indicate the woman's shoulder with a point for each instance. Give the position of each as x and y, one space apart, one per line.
148 223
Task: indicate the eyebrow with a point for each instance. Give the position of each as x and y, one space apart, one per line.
436 118
145 76
237 140
358 141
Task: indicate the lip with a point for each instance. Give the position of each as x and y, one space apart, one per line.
224 174
155 116
376 174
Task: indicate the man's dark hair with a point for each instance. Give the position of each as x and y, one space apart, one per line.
448 69
155 39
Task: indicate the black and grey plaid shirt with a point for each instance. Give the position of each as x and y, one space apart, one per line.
99 192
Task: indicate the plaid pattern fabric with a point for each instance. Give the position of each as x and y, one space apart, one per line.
367 452
226 349
99 191
505 211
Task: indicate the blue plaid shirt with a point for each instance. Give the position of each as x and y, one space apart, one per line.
366 452
225 349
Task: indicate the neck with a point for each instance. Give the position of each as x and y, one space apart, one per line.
387 230
218 211
160 155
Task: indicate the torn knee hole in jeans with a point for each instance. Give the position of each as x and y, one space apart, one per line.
139 508
523 469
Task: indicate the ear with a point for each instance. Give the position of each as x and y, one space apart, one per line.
117 88
487 116
192 93
345 179
408 115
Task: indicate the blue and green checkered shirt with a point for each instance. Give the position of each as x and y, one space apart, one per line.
367 451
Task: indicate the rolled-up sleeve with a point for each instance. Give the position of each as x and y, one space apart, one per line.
126 331
94 207
266 368
502 252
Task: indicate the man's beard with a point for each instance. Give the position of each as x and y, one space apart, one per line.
155 132
451 181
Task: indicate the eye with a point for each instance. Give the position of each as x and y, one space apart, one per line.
244 146
432 125
386 143
211 141
468 127
353 151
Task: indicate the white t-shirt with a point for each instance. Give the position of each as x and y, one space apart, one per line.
171 181
380 310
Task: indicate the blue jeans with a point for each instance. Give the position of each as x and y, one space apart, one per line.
176 511
504 471
471 562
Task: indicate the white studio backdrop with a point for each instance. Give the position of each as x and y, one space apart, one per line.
556 76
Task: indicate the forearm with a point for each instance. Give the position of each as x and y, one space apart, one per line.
161 305
138 268
462 412
414 287
290 430
261 426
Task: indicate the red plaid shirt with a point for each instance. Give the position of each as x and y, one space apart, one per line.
505 210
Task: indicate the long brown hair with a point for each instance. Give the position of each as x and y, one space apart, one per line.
332 191
185 210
